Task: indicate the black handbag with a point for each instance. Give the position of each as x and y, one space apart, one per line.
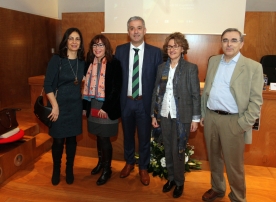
42 112
8 120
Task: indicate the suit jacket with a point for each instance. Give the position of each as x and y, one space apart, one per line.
246 86
113 84
152 58
187 90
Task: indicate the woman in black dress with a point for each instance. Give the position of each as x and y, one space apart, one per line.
62 85
101 97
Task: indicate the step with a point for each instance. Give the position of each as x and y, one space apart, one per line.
43 144
15 156
30 128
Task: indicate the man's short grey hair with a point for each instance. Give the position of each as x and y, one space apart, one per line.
232 30
135 18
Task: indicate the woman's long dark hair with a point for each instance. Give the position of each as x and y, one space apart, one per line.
108 48
62 52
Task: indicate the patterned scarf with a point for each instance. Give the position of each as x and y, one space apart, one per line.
94 85
181 133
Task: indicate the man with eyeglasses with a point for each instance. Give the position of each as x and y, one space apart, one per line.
139 62
230 104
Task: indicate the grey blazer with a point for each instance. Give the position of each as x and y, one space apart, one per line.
187 90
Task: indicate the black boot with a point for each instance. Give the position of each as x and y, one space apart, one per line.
99 166
70 156
106 174
57 150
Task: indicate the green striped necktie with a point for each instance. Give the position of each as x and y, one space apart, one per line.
135 75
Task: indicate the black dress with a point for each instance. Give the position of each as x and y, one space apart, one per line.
69 98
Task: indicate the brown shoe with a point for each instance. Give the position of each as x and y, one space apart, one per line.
211 195
126 170
144 177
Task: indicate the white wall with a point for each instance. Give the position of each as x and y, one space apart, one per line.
53 8
71 6
46 8
260 5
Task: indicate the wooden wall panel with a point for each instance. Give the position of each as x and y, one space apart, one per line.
260 29
262 151
89 24
26 42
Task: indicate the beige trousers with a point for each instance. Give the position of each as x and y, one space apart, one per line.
225 146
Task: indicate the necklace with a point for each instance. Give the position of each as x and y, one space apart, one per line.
76 78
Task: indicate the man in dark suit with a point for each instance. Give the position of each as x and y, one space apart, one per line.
136 100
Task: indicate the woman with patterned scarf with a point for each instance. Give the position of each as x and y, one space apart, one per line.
176 108
101 100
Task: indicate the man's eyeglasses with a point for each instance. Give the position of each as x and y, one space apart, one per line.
232 40
72 39
100 45
174 47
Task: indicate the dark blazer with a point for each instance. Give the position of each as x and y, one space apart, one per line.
113 84
187 90
152 58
